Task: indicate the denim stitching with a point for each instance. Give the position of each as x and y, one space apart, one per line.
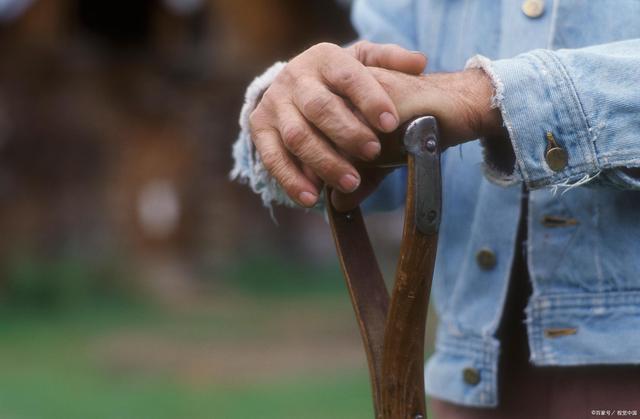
591 154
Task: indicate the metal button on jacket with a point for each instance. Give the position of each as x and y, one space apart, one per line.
486 258
556 158
533 8
471 376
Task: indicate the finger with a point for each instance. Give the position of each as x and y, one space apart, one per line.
308 172
308 145
350 79
389 56
279 164
331 115
370 181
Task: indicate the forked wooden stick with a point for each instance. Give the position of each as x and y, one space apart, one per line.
393 329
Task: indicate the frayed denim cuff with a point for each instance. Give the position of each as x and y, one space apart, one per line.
248 167
536 96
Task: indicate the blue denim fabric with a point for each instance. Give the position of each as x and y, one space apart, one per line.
574 72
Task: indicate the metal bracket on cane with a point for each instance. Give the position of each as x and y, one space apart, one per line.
422 140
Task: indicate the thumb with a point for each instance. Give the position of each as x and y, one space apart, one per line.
388 56
406 92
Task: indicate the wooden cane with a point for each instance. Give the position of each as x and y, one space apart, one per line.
393 328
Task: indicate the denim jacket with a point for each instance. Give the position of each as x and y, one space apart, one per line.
572 74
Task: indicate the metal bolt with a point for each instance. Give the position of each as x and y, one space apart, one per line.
431 145
418 416
431 216
349 216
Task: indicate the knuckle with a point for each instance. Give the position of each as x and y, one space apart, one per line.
354 135
269 97
303 82
317 107
270 159
279 171
260 136
289 183
324 47
255 119
286 74
345 77
285 178
317 163
361 49
328 168
287 77
294 136
325 168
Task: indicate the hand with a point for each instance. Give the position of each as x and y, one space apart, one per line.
316 116
460 101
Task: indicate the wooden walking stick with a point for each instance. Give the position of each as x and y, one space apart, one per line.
393 328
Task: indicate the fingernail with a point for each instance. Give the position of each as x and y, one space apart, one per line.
349 183
419 53
308 199
371 149
388 122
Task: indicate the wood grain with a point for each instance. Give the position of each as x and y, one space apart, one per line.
392 331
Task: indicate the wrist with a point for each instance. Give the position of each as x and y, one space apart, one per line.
489 124
485 119
462 102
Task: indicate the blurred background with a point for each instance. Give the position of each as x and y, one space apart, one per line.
136 281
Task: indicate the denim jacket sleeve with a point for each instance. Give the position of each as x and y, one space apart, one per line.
588 99
247 165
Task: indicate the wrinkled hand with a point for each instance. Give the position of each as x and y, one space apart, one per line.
461 102
320 113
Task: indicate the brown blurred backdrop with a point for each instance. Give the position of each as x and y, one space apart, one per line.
136 281
116 120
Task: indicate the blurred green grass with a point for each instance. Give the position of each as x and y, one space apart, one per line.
271 340
75 357
270 275
48 371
